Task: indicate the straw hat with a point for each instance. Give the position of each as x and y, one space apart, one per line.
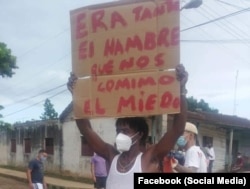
191 128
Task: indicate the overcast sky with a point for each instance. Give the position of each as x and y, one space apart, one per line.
216 55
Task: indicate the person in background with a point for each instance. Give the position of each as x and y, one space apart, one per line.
132 132
35 171
211 156
195 160
204 149
238 165
99 171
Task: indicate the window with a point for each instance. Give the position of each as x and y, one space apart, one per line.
206 140
86 150
49 146
27 145
13 145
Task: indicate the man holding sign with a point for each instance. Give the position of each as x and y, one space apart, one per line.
123 57
126 158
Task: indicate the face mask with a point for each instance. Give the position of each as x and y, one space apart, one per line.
124 142
43 159
181 141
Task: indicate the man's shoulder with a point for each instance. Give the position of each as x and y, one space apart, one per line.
34 161
195 149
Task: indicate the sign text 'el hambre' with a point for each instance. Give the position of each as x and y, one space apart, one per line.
124 54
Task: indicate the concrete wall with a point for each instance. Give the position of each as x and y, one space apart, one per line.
219 144
37 132
73 163
71 148
67 158
4 147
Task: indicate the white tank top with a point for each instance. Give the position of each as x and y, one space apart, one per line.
118 180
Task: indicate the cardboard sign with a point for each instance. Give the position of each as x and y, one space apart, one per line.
144 93
124 40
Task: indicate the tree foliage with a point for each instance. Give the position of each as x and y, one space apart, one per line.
7 64
7 61
49 111
194 105
4 126
1 107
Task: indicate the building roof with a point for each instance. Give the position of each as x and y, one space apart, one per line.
36 123
66 112
220 119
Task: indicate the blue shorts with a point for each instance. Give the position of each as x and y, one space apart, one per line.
100 182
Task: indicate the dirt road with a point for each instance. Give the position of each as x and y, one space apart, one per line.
9 183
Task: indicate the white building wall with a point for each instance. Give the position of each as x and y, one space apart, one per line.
164 123
36 133
73 162
19 155
219 144
71 147
19 160
105 128
3 148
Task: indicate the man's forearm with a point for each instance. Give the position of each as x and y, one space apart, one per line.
28 177
83 125
182 169
180 119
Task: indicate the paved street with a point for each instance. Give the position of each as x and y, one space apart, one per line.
10 183
52 182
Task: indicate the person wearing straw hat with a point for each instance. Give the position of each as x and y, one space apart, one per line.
195 159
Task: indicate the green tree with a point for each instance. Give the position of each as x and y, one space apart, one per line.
7 64
1 107
7 61
49 111
4 126
194 105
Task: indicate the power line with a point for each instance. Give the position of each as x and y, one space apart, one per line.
219 43
226 3
216 41
34 104
43 42
220 18
207 41
28 98
229 28
20 83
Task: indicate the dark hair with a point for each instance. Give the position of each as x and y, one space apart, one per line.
42 151
138 124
